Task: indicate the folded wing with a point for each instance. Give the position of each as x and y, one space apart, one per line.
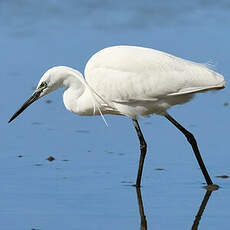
124 74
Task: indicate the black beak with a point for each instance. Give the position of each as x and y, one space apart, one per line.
32 99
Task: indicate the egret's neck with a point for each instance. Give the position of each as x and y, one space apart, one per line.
67 77
77 97
74 83
74 87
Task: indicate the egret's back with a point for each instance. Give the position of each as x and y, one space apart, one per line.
125 74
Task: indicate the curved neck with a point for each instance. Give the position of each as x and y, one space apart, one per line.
77 96
69 77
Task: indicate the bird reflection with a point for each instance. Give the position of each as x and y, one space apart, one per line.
143 225
207 195
204 202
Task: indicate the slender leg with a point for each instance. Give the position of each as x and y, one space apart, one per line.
143 148
191 139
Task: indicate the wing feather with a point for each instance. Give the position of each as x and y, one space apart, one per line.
128 74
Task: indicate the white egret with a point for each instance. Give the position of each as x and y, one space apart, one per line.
134 82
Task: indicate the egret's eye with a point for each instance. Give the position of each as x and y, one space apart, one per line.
43 85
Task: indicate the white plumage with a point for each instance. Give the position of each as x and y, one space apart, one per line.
131 81
141 81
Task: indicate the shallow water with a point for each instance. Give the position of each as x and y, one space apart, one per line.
88 185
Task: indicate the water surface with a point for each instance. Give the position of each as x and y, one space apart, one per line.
87 186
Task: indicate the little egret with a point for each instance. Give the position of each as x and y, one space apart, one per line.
134 82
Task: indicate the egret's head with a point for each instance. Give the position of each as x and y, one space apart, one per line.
49 82
52 80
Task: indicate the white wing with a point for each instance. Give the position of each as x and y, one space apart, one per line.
126 73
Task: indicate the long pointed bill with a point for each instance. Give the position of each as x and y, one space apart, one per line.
32 99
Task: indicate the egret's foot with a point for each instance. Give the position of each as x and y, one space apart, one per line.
211 187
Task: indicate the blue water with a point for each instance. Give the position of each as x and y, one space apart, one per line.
87 186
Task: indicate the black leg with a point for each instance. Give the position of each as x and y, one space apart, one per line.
143 148
191 139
